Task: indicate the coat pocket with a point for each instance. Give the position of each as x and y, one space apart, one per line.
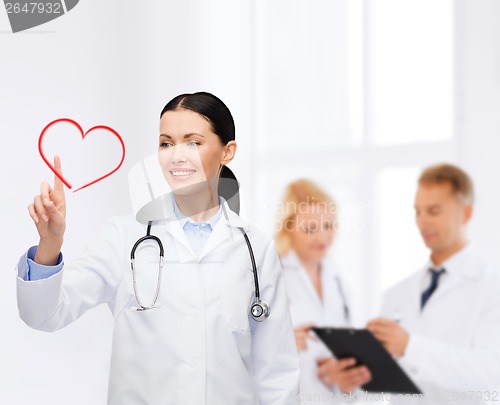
237 295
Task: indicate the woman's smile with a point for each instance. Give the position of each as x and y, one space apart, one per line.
181 173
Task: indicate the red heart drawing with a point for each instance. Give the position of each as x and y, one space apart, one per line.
84 134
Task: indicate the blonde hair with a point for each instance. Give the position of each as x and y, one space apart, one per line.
446 173
298 193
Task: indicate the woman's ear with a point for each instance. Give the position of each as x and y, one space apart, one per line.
228 153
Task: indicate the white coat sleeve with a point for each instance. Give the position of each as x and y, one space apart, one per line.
458 368
274 352
52 303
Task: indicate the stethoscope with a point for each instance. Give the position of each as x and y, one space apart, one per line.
347 315
259 310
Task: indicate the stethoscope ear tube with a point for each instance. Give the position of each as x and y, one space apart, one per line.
134 275
254 266
259 310
347 314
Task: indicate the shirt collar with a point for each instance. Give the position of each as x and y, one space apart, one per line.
183 220
291 260
161 209
453 261
466 262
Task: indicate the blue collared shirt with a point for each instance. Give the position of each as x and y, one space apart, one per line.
197 234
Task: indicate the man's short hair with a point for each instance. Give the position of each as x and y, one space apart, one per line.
445 173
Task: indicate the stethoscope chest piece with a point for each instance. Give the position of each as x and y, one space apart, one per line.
259 310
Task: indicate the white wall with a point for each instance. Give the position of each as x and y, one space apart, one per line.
478 118
113 64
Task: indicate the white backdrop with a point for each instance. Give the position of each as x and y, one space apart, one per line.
117 63
109 63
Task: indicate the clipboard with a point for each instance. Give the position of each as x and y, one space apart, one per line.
387 375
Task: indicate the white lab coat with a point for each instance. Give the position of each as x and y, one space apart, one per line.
454 342
200 346
306 307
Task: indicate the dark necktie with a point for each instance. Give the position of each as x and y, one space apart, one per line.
432 287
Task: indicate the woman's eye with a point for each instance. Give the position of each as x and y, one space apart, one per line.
192 143
165 145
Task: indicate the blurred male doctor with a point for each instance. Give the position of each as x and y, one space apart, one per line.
447 335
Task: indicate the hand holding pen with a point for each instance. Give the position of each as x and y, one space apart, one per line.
390 333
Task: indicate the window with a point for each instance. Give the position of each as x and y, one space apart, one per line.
358 97
401 250
410 57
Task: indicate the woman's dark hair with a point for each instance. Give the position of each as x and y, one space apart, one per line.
221 120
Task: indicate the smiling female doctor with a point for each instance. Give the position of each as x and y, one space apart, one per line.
316 292
199 343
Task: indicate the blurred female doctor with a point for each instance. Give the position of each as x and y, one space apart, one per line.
315 290
198 344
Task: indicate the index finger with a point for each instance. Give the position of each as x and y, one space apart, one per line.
58 184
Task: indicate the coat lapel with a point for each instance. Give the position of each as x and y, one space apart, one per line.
162 209
445 286
463 267
182 245
293 261
227 229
